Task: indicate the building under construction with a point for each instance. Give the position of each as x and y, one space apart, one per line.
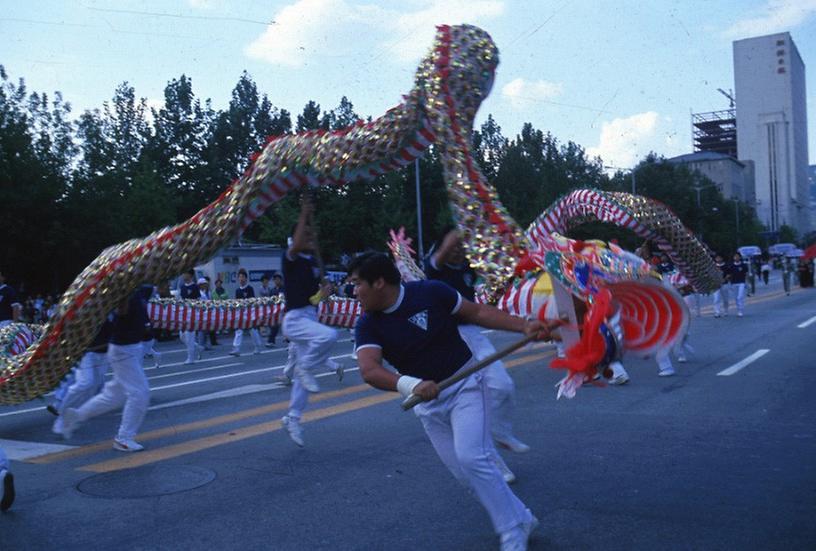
715 131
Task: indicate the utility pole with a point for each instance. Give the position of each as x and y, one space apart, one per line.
419 213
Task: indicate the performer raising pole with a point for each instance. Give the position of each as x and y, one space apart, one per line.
415 327
311 339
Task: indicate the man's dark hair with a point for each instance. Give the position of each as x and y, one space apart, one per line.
191 272
242 271
265 277
372 266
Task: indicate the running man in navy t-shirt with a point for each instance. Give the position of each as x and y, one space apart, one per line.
447 262
415 327
129 387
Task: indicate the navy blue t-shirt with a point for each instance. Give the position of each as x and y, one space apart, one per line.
738 271
8 297
130 327
103 336
301 277
460 278
419 335
190 290
245 292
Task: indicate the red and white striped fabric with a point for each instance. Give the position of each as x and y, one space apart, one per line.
339 312
215 316
219 315
19 336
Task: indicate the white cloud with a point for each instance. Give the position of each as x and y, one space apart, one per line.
333 28
625 141
415 30
522 93
775 16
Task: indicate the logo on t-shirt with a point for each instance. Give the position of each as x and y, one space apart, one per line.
420 320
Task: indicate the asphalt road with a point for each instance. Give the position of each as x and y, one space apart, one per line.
720 456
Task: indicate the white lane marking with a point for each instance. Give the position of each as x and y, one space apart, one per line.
42 408
237 391
180 373
742 363
19 411
239 374
20 451
213 359
487 331
808 322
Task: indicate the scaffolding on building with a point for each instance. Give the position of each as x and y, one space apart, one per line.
715 131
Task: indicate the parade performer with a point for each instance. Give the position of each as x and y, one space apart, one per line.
129 386
7 482
737 272
447 263
414 326
89 375
189 290
311 339
245 291
720 296
10 306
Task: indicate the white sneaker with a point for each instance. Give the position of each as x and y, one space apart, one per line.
292 425
188 361
234 352
127 445
618 380
338 369
513 444
667 372
256 351
157 359
619 374
682 359
70 422
517 537
739 314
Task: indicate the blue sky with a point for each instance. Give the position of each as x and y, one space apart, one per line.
618 77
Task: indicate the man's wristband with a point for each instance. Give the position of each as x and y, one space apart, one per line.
406 385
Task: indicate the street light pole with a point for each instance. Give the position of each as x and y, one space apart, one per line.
736 209
419 212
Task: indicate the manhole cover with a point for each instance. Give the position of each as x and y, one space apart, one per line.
148 481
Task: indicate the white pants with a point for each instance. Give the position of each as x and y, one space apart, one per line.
189 340
458 425
90 377
721 300
239 338
291 362
4 462
739 296
312 341
128 387
502 391
693 302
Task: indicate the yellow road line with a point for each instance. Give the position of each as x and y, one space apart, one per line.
198 444
205 423
196 425
191 446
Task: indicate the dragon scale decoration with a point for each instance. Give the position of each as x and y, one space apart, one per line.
449 86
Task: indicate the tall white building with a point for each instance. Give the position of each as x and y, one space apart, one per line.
769 82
